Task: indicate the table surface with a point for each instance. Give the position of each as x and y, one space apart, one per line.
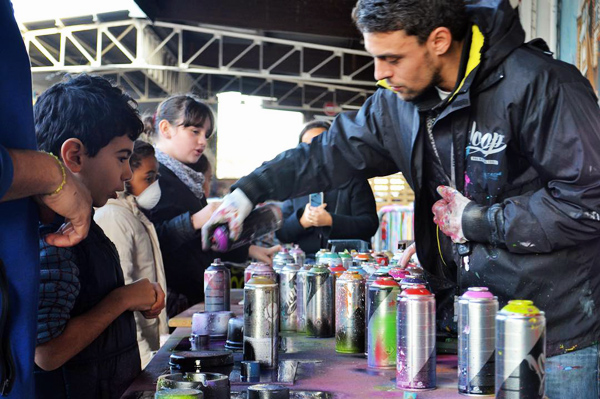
320 367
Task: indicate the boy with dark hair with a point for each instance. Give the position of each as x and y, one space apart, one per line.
86 340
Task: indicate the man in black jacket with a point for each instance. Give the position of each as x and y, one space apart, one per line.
347 212
465 103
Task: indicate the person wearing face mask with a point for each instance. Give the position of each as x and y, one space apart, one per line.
125 224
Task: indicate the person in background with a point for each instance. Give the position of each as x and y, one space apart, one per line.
183 124
28 180
86 335
499 141
348 212
125 224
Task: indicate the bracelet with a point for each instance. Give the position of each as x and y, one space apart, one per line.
64 174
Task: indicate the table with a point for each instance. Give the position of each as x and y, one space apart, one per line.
320 367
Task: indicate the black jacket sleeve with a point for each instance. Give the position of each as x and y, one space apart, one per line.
174 232
560 135
352 147
291 231
362 222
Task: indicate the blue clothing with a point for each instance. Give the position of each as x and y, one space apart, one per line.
573 374
18 229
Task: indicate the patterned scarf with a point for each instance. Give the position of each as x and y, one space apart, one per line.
192 179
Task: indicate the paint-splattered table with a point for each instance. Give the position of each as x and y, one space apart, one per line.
320 368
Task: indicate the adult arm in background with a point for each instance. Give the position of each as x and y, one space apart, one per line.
560 136
25 173
352 147
292 229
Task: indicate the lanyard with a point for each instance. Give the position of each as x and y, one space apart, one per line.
429 122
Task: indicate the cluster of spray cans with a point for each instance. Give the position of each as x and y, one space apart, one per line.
500 352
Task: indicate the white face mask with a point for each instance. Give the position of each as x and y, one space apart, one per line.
149 197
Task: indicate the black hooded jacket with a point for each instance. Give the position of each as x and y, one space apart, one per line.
526 143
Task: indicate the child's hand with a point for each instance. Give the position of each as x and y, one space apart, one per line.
262 254
140 295
158 306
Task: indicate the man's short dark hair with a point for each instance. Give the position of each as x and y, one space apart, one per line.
88 108
415 17
313 125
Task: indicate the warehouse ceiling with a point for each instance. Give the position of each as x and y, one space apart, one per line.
298 55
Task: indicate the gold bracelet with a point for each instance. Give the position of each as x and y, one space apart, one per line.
64 174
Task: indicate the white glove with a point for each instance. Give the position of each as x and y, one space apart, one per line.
235 208
448 213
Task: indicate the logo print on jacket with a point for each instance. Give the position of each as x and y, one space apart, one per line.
484 144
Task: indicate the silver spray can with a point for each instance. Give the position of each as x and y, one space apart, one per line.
217 286
261 321
319 303
415 367
288 298
298 255
381 341
302 291
520 351
381 272
477 310
281 259
350 313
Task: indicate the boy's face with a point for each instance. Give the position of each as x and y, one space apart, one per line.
106 173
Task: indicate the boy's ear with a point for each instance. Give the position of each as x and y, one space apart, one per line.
72 153
164 128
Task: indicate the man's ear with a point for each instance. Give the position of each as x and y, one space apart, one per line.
164 128
440 40
72 153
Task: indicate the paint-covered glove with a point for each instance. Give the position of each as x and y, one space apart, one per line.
235 208
447 213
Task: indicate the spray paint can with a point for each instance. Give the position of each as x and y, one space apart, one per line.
288 298
281 259
381 341
356 267
217 286
298 255
248 271
264 270
520 351
330 259
350 313
410 281
301 289
261 321
477 310
415 369
319 303
261 221
398 273
319 254
364 257
381 272
382 259
346 259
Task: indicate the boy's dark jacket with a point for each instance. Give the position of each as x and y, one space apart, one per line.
106 367
526 140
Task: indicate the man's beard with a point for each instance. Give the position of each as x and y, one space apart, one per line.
420 95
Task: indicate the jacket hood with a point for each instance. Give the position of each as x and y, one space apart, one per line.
501 28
